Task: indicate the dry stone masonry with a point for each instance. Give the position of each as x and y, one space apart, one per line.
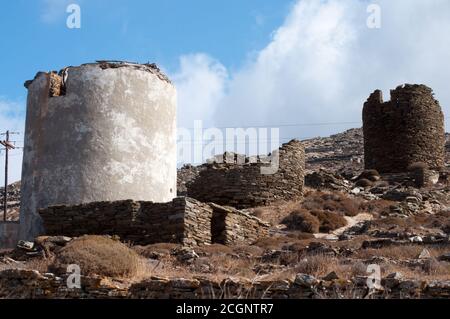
102 131
405 130
17 283
184 220
245 186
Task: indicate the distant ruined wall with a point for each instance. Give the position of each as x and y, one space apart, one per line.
407 129
244 186
183 220
97 132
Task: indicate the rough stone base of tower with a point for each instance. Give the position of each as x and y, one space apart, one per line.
407 129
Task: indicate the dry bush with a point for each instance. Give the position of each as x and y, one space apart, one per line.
316 265
272 243
259 212
370 174
303 221
275 213
40 264
251 250
417 166
381 184
100 255
224 266
329 221
376 207
280 242
215 249
439 220
335 202
161 248
363 183
300 235
435 268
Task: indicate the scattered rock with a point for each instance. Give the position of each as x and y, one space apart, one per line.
326 180
186 255
377 243
425 254
416 239
320 248
370 175
400 195
25 245
331 276
305 280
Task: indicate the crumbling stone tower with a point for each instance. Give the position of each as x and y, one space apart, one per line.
405 130
104 131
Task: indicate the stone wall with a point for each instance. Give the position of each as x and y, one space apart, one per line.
101 131
230 226
245 185
405 130
184 220
31 284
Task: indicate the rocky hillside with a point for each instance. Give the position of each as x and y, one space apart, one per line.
318 247
13 202
341 153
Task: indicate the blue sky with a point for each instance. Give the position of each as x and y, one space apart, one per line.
34 35
237 63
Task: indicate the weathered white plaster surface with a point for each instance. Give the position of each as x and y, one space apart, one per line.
111 137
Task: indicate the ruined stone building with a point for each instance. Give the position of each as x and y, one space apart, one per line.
405 130
245 185
97 132
183 220
100 158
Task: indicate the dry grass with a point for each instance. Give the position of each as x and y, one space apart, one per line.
321 265
439 220
99 255
277 243
160 248
40 264
401 252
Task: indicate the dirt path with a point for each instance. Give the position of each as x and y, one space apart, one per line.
351 221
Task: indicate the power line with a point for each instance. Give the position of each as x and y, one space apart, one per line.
8 146
283 125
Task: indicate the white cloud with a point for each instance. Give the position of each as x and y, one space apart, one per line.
201 85
323 62
12 118
53 10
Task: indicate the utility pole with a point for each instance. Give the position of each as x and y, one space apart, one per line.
8 146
